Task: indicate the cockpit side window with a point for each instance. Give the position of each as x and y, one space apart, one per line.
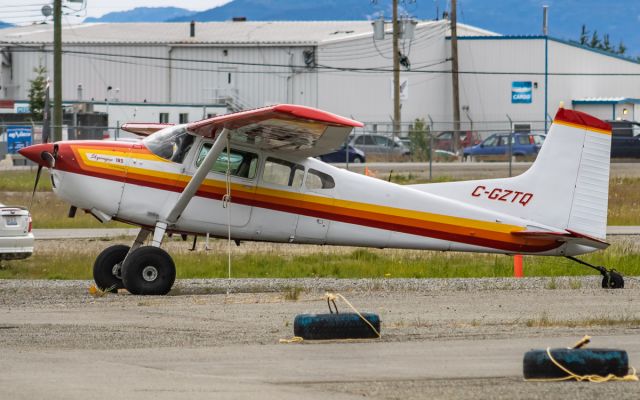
172 143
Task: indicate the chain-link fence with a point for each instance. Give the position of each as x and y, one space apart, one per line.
15 136
426 139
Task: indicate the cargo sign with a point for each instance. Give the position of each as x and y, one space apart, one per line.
18 137
521 92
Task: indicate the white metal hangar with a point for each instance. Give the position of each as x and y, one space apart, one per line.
337 66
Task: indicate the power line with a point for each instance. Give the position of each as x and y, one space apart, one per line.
322 67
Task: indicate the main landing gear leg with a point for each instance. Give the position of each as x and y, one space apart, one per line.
149 270
611 279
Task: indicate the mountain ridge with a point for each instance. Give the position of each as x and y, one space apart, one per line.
143 14
619 20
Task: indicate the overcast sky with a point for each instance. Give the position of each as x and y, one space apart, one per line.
28 11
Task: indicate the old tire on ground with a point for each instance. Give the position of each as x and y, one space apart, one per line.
149 271
602 362
335 326
107 269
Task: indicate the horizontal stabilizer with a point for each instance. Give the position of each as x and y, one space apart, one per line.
567 236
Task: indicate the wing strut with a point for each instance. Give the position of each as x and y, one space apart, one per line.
191 188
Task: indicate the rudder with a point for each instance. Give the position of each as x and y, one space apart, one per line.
566 187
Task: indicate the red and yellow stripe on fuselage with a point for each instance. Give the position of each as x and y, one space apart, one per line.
132 169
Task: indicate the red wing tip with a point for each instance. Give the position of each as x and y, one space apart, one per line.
580 118
316 114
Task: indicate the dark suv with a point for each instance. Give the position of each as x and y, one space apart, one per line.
625 139
524 146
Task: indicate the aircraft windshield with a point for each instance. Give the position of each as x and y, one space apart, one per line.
172 143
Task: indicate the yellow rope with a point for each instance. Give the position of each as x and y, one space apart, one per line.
333 297
591 378
226 203
295 339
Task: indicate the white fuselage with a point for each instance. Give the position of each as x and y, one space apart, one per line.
357 211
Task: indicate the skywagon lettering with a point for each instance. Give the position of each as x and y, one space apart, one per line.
506 195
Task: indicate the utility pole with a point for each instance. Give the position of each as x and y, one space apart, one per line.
57 70
454 79
397 119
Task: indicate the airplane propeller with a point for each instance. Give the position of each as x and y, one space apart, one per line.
46 156
50 159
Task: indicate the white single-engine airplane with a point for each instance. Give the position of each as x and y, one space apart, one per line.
259 163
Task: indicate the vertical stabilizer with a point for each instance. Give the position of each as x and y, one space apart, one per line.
566 187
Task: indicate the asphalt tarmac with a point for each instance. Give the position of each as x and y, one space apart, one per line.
466 342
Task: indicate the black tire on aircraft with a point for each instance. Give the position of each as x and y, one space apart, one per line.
612 280
335 326
149 271
602 362
107 269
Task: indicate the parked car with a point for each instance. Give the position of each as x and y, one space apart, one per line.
625 139
16 239
444 140
339 156
524 146
379 144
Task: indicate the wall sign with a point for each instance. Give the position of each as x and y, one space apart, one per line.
521 92
18 137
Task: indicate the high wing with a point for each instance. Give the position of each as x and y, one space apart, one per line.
143 128
291 129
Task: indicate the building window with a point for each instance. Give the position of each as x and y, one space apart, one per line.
211 115
184 118
164 118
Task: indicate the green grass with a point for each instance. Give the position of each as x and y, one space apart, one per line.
624 201
22 181
76 261
544 321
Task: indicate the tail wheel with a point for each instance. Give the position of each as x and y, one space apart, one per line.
107 269
149 271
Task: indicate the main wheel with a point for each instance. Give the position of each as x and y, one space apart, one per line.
149 271
357 160
107 269
612 280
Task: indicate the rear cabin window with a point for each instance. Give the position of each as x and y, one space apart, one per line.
319 180
242 164
281 172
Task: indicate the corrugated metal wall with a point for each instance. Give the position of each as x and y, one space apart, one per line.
367 95
175 74
488 92
257 75
138 79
